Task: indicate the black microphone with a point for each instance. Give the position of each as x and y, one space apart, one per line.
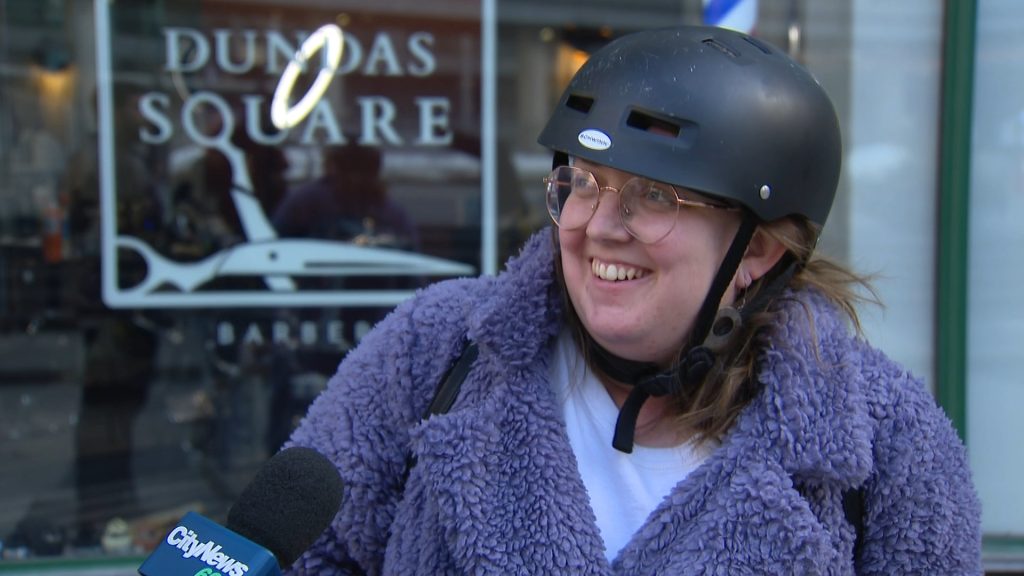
280 514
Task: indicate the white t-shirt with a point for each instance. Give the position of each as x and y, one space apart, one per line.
624 488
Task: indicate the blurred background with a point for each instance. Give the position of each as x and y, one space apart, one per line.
149 363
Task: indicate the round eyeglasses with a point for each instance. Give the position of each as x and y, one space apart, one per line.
648 209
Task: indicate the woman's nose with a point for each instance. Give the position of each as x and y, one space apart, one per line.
606 223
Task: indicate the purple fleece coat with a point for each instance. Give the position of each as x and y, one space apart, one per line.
495 487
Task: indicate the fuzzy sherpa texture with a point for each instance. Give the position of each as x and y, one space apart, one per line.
495 487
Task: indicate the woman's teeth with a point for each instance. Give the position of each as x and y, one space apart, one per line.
615 272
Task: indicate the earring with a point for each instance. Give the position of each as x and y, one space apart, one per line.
743 300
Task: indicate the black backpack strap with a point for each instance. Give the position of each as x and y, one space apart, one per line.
853 508
446 393
853 511
451 382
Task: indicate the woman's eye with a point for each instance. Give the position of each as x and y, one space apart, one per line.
659 195
582 186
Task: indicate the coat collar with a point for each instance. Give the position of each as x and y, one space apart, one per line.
502 472
505 480
811 413
501 467
516 321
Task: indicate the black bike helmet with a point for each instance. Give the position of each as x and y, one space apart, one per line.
744 122
718 112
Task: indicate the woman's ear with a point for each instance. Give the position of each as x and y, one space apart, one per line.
763 253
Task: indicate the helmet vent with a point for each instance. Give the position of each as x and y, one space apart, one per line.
579 103
648 123
711 42
758 44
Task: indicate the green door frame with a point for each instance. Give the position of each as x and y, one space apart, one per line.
954 194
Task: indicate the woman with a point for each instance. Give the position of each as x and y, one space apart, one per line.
670 385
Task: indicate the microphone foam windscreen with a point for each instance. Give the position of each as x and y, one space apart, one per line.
288 504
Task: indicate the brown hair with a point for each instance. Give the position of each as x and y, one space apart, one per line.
708 410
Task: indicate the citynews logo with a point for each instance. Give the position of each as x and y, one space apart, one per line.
208 552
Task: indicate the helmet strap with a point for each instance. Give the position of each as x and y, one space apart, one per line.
647 379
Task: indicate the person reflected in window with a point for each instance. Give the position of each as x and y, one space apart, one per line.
120 345
670 380
348 202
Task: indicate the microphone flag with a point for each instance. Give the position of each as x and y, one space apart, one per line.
197 546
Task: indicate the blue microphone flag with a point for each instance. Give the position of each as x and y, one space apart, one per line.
198 546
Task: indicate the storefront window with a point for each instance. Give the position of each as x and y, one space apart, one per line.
996 264
181 274
892 168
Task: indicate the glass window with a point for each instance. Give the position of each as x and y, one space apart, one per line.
181 270
996 271
892 170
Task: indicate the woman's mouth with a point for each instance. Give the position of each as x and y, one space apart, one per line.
615 272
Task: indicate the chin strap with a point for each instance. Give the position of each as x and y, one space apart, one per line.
647 379
695 365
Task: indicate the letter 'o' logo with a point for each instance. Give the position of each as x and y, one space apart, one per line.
595 139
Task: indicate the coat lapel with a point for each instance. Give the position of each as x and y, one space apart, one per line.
811 415
499 465
740 512
736 514
506 484
499 475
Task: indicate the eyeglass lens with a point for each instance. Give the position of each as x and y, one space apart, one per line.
647 209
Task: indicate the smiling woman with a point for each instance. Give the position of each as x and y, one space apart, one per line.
668 382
